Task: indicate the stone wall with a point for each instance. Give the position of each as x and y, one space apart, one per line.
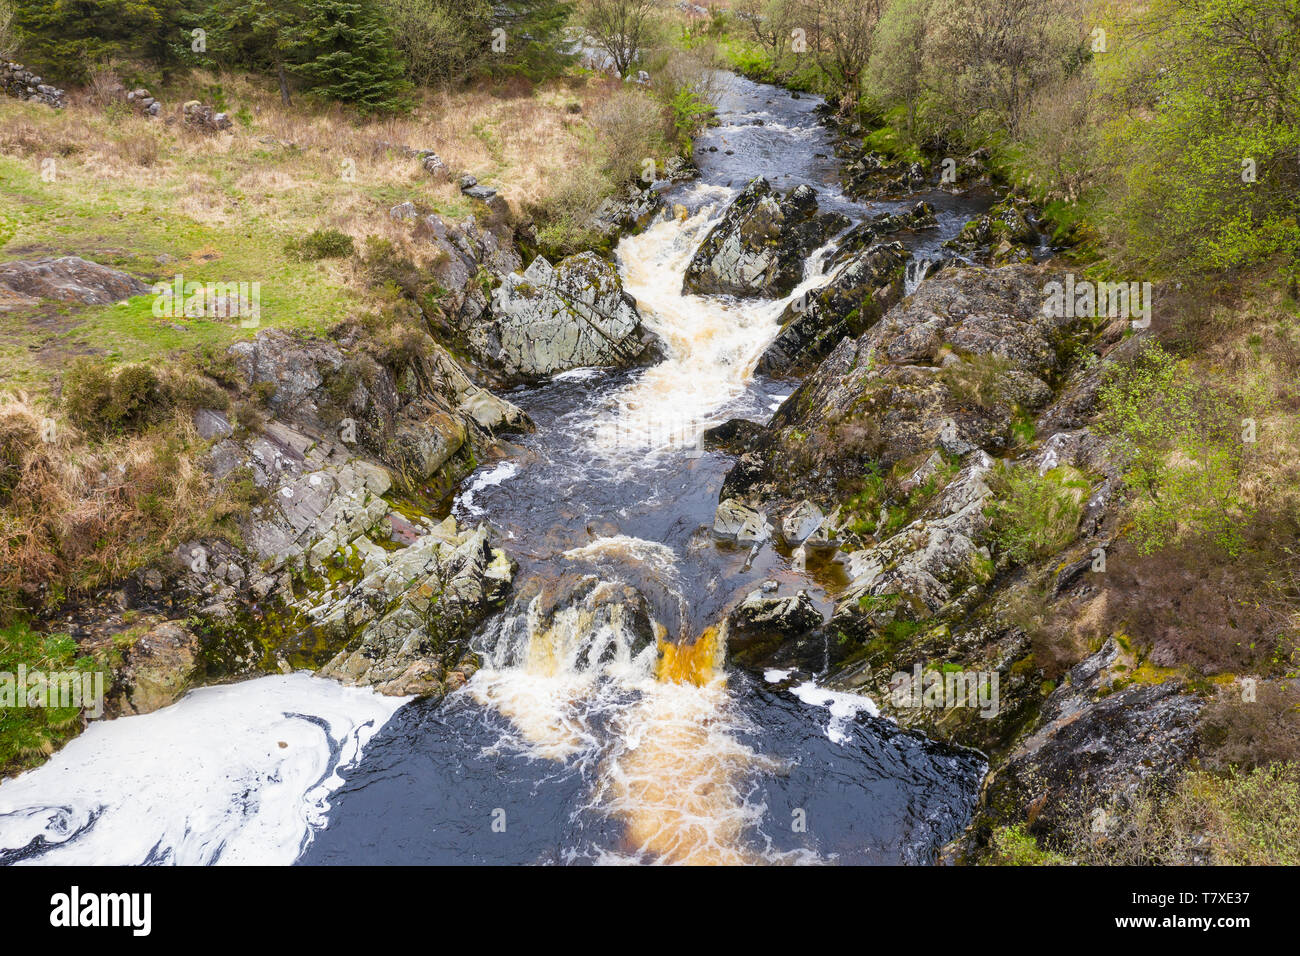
18 81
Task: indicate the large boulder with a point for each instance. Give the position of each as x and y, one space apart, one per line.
760 246
945 369
554 318
65 279
1100 742
421 418
157 668
409 615
858 294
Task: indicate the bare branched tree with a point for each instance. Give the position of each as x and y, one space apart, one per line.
8 30
619 27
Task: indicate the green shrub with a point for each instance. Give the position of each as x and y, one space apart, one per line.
1181 446
29 734
1013 846
1034 516
320 244
100 400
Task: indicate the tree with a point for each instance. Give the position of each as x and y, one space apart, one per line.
259 34
66 38
1213 181
619 28
438 38
344 50
991 55
842 34
8 30
532 36
898 62
771 22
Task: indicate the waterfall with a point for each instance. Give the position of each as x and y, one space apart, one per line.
915 272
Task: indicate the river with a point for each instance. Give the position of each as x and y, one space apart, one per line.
577 741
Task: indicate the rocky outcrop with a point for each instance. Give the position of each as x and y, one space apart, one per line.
374 594
554 318
64 279
867 174
915 573
468 260
157 668
19 82
1100 741
857 295
421 418
868 232
1005 235
760 246
943 369
411 611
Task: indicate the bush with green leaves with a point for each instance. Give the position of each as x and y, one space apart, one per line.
1031 515
320 244
101 400
1181 446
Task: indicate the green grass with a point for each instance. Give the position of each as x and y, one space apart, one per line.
29 734
130 226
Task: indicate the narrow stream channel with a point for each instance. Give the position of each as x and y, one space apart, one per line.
579 740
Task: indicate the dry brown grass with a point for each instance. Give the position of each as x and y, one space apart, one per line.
76 515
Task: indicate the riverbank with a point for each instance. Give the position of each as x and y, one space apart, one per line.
928 500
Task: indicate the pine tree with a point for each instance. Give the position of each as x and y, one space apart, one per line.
65 38
343 49
259 35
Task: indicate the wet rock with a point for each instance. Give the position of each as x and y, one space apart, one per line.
1095 748
733 436
586 621
554 318
802 522
157 668
858 294
759 247
869 175
734 521
759 618
626 212
1006 234
65 279
413 609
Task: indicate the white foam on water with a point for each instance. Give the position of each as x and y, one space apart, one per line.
233 774
843 707
488 479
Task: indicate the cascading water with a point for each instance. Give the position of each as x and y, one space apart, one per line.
604 724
